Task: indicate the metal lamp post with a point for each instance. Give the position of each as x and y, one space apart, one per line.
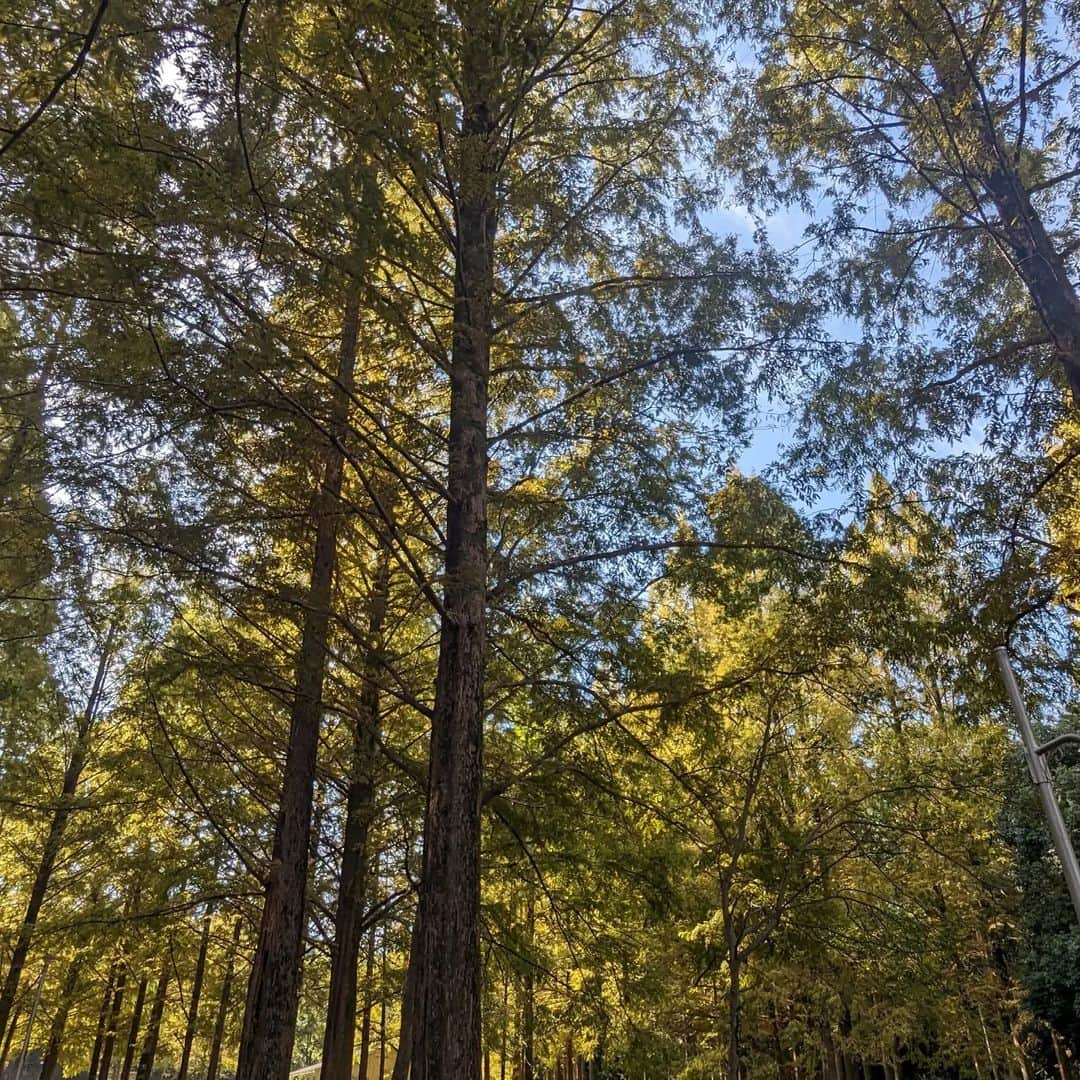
1040 776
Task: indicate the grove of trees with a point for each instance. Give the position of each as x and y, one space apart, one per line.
506 509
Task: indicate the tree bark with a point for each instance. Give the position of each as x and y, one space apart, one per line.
103 1020
223 1006
269 1028
153 1027
8 1037
56 1031
113 1024
133 1029
50 850
193 1008
447 1035
365 1024
338 1040
403 1060
528 1005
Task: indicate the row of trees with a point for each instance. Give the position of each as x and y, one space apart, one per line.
386 628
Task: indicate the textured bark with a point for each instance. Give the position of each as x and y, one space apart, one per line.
50 850
153 1027
339 1037
269 1028
446 1036
56 1032
133 1029
193 1008
113 1024
382 1013
223 1005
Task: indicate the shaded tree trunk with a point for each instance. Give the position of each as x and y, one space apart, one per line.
153 1027
528 1004
8 1037
56 1031
269 1028
338 1040
223 1005
50 850
365 1025
403 1061
114 1022
103 1020
447 1035
133 1029
196 994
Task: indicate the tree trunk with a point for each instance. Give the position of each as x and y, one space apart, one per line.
1059 1055
50 850
269 1029
114 1022
59 1024
403 1060
365 1026
193 1008
153 1027
447 1034
103 1020
528 1004
339 1036
223 1006
9 1036
734 1056
382 1011
133 1029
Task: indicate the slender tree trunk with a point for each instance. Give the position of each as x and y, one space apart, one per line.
114 1022
133 1029
103 1019
382 1010
1059 1055
528 1004
338 1040
153 1027
50 850
223 1005
365 1024
734 1019
8 1037
269 1029
193 1008
505 1027
59 1024
403 1061
447 1034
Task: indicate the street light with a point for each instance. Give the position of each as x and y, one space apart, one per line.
1040 777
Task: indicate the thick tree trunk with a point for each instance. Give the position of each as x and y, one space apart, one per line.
223 1005
133 1030
50 850
338 1040
113 1024
196 994
1037 262
56 1031
447 1036
103 1020
269 1029
153 1027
